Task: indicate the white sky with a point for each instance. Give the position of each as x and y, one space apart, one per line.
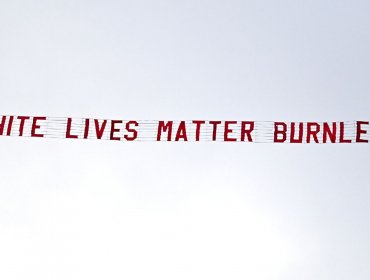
108 210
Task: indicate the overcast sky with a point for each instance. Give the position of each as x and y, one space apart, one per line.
109 210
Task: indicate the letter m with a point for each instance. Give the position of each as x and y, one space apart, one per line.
164 127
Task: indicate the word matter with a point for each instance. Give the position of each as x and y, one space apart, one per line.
185 130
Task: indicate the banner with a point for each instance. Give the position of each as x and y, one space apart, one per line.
247 131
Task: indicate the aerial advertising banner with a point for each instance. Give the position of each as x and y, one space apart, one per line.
248 131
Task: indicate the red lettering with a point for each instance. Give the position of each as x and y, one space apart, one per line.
292 133
197 129
360 131
181 132
87 126
100 129
162 127
278 131
69 128
312 130
2 124
332 133
247 132
214 126
10 124
229 130
113 130
35 126
21 125
132 130
341 134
